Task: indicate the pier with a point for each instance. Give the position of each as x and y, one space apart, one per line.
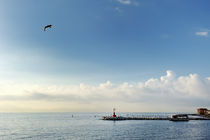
132 118
120 118
176 117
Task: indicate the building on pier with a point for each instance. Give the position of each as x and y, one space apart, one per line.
114 115
203 111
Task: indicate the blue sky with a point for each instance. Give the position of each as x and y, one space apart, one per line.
94 41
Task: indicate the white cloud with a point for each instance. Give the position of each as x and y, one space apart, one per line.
118 9
202 33
165 92
128 2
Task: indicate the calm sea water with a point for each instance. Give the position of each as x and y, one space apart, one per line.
88 126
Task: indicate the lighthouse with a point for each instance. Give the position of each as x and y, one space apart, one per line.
114 115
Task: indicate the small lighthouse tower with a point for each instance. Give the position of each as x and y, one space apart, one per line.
114 115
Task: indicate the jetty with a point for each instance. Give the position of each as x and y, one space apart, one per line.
201 115
120 118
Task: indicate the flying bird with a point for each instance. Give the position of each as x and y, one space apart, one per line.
47 26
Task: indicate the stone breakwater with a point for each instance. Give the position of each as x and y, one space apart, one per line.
119 118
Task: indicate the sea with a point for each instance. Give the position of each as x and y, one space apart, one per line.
89 126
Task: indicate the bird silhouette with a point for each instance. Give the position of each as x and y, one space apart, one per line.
47 26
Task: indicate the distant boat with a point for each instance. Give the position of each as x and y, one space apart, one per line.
181 117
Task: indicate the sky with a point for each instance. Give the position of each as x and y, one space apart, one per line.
134 55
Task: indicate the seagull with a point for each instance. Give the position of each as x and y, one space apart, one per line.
47 26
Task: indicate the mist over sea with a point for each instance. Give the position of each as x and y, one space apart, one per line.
89 126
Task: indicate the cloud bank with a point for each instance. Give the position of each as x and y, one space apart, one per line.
167 92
